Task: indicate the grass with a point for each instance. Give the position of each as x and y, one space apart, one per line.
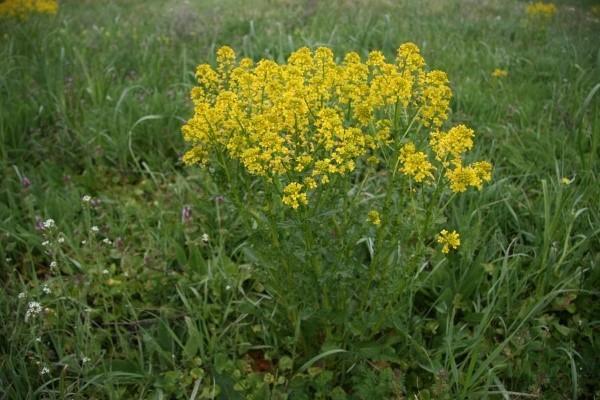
92 102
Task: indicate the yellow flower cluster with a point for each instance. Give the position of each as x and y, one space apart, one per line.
374 217
499 73
22 8
312 118
449 240
449 148
293 195
541 9
415 163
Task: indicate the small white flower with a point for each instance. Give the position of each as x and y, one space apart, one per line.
228 287
106 241
22 295
38 339
95 229
46 289
53 264
33 310
45 243
61 239
49 223
45 371
83 241
85 360
105 272
205 237
86 198
8 260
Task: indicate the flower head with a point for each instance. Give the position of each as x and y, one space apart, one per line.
541 9
25 182
374 217
449 240
415 163
186 215
293 195
49 223
33 310
499 73
461 177
23 8
453 143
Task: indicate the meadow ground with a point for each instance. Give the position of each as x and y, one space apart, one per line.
155 287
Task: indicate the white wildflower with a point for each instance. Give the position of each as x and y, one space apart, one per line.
105 272
107 241
46 289
83 241
45 371
22 295
61 239
33 310
95 229
53 264
205 237
86 199
85 360
49 223
45 243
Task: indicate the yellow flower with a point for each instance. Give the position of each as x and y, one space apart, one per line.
455 142
305 121
415 163
499 73
461 177
374 217
449 240
22 8
566 181
541 9
293 196
409 56
435 98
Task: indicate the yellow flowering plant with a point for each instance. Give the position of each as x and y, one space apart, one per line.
499 73
23 8
337 164
541 10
